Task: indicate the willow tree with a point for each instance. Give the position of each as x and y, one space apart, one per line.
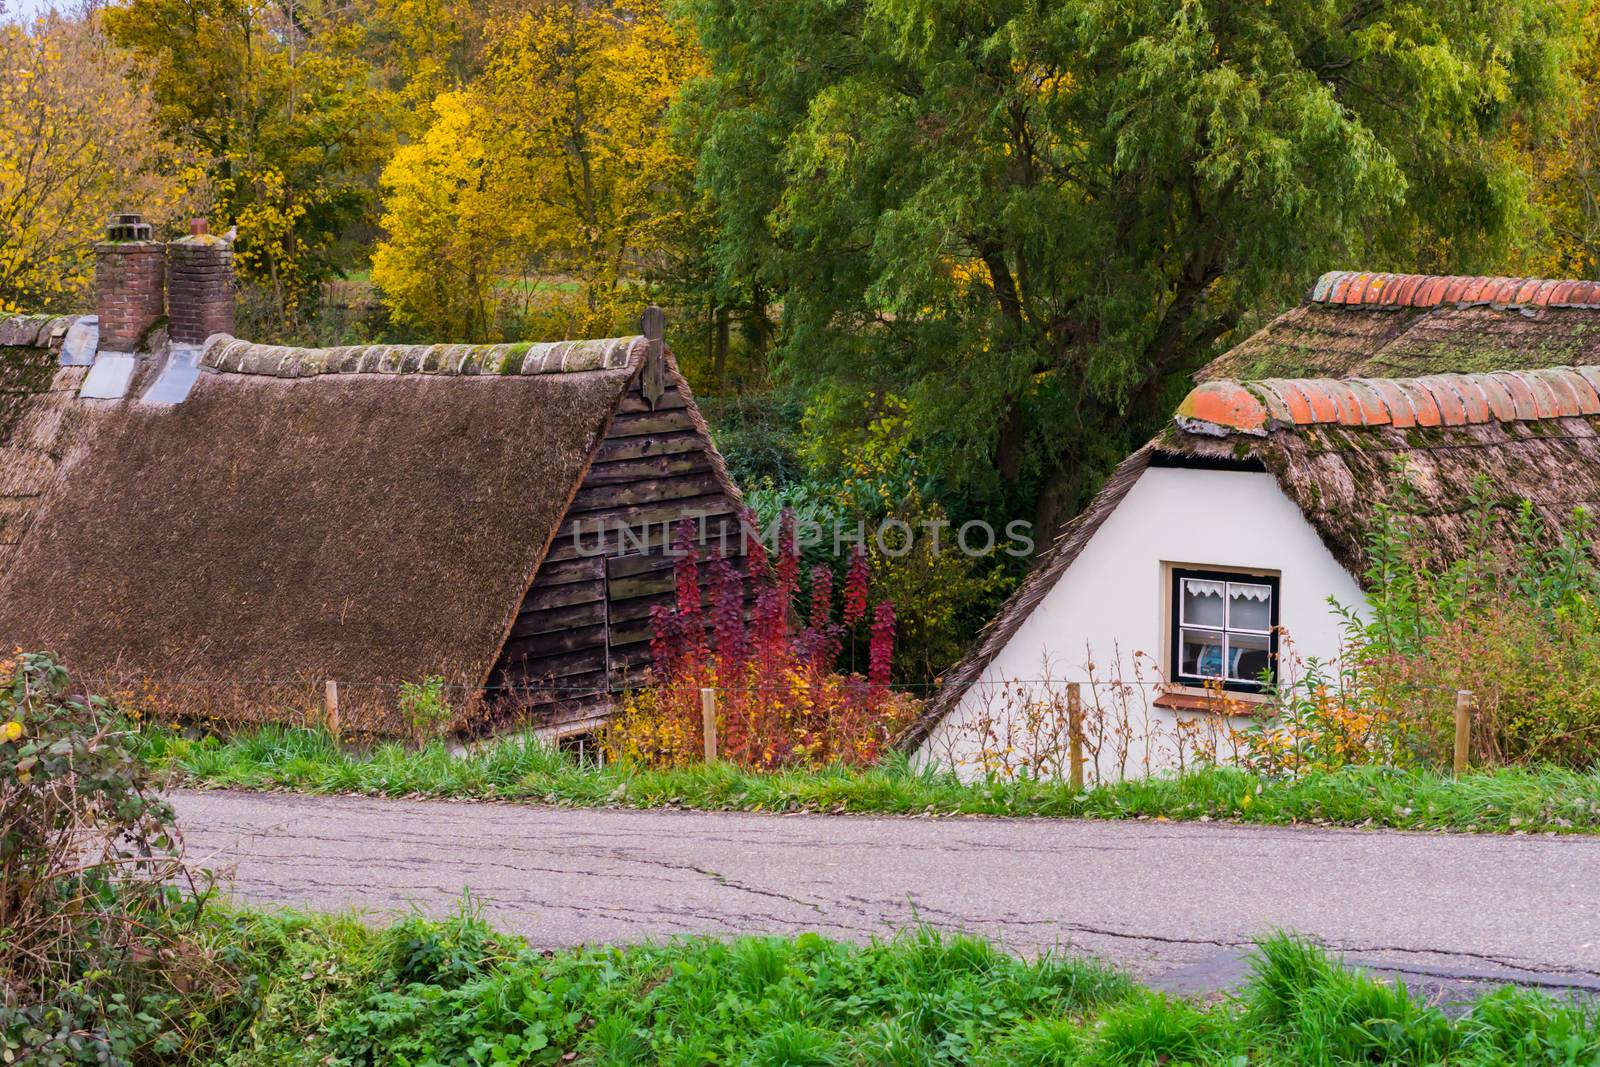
1032 218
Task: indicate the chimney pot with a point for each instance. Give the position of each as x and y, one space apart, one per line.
198 227
128 227
129 270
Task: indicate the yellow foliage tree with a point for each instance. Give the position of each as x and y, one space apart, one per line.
450 247
280 103
76 145
423 48
551 184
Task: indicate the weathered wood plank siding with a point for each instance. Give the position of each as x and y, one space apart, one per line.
583 631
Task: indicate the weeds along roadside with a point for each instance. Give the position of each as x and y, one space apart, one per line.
326 989
1505 800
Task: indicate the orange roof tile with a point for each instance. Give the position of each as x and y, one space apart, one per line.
1222 407
1367 289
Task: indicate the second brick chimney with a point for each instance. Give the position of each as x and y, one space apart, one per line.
199 286
128 271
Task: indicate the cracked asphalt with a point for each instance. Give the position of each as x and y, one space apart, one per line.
1176 903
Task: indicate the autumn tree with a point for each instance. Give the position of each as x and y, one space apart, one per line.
451 251
553 183
421 49
279 102
76 145
1567 174
1033 218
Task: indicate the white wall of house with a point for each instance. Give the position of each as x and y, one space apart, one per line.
1110 610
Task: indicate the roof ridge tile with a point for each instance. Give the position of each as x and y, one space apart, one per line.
1371 289
1222 406
229 355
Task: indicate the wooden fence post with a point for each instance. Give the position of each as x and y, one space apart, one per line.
330 707
1075 732
1463 730
708 722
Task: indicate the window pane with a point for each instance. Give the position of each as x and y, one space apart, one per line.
1248 656
1202 603
1200 654
1249 606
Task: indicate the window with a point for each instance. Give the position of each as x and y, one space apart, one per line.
583 749
1224 627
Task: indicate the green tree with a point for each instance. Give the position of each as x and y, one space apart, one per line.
1031 218
278 100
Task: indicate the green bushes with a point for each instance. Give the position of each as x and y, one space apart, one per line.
423 706
424 993
102 958
455 993
1515 621
1518 626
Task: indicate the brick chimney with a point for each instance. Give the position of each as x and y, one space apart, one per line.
199 286
128 271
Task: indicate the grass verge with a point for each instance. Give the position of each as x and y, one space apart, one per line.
329 990
1500 801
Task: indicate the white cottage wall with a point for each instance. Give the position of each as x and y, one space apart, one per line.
1114 599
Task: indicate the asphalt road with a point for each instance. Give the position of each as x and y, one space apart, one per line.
1176 903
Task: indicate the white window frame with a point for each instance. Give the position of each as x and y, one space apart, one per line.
1177 576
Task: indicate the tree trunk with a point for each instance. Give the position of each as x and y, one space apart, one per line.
719 359
1008 446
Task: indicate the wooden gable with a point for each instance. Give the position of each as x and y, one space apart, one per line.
582 634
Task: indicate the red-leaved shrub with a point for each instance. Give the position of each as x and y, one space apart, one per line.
781 701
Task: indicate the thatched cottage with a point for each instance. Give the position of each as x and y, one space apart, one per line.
1231 531
238 523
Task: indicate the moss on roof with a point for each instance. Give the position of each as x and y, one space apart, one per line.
25 372
1336 341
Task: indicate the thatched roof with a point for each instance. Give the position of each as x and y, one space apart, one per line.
1341 449
372 514
1408 325
36 411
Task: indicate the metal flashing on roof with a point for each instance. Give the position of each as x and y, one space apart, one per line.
83 339
110 376
176 376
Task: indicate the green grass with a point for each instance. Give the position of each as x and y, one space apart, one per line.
328 990
1500 801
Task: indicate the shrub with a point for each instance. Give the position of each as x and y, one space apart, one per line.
1515 620
781 703
425 710
872 475
99 958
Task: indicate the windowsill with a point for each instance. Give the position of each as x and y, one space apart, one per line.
1229 704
